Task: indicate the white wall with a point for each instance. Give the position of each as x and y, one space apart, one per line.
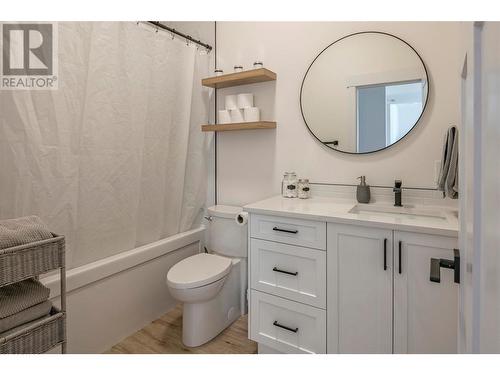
251 163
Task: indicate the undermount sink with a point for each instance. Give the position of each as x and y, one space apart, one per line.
407 211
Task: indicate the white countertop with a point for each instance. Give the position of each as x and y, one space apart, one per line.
336 210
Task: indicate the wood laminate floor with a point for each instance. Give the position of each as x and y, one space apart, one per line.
164 336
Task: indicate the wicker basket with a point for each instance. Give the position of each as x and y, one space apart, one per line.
25 261
36 337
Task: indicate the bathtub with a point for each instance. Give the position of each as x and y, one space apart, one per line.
111 298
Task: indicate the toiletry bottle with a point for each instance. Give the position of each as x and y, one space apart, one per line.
284 184
304 188
289 185
292 186
363 191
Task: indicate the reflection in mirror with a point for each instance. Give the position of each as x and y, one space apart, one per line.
364 92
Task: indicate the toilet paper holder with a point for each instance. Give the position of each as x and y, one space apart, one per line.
241 218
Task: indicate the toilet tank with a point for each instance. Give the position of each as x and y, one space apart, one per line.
226 237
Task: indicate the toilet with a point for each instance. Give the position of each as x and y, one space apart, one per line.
212 286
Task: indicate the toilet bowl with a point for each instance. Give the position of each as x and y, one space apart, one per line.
212 286
198 278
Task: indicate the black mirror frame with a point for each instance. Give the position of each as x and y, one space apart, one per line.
400 139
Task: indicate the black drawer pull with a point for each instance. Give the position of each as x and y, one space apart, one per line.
294 330
385 254
275 269
285 230
399 257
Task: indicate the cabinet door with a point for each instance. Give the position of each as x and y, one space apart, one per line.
425 312
359 289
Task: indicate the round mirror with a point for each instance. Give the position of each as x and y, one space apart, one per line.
364 92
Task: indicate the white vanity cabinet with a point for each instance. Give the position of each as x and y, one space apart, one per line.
425 312
334 282
359 289
288 282
379 295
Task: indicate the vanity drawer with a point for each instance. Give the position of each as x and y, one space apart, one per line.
299 232
287 326
293 272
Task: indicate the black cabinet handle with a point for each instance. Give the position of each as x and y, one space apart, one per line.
385 254
285 230
294 330
456 268
275 269
399 258
435 270
437 264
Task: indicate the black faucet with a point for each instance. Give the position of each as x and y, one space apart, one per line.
397 190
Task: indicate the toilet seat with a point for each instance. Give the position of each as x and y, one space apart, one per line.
197 271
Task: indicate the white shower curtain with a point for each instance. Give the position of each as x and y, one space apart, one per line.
114 158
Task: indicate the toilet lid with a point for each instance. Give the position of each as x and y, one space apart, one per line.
198 270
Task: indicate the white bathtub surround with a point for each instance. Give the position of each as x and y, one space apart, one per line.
224 116
251 114
112 298
245 100
237 115
376 257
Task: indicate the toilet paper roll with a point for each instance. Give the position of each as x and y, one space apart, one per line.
224 116
231 102
251 114
236 115
242 218
245 100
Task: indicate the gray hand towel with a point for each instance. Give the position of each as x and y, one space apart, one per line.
25 316
15 232
22 295
448 175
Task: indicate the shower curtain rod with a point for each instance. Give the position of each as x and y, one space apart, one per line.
185 36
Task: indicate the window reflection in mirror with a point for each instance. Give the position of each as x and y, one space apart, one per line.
386 113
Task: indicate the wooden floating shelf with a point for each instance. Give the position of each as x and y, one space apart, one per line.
242 78
239 126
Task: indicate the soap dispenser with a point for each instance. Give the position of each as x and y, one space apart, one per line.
363 191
